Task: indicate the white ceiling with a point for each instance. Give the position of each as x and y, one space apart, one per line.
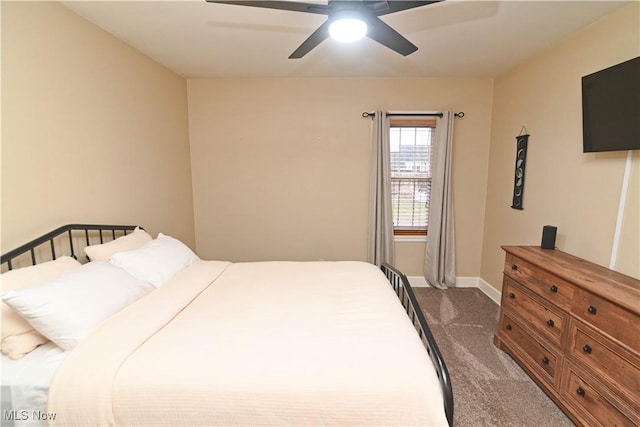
456 38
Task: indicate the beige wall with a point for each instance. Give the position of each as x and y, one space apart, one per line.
577 192
281 166
92 130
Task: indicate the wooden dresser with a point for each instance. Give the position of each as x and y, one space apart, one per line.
574 327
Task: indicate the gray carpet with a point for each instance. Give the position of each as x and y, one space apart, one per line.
489 388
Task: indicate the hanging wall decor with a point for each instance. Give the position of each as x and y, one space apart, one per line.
521 159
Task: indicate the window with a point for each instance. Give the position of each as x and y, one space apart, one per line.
410 142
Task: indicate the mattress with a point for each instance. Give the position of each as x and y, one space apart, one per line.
264 343
25 386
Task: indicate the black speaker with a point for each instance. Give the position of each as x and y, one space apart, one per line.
518 179
549 237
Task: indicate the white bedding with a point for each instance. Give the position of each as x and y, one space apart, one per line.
265 343
25 386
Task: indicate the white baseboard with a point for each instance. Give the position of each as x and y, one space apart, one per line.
462 282
489 291
467 282
418 282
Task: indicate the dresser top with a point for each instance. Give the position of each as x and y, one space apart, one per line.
608 284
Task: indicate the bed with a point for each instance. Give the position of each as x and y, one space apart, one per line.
220 343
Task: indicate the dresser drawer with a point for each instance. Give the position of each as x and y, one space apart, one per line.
608 361
537 313
609 318
543 283
593 402
542 359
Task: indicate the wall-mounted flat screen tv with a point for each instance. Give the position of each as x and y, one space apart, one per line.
611 108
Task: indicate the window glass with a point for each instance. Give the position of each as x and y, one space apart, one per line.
411 146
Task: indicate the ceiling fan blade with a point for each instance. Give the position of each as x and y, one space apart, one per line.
282 5
387 36
398 6
317 37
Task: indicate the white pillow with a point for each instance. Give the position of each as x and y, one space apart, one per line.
103 251
69 307
157 261
18 336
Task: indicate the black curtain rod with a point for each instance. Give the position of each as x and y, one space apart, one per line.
373 114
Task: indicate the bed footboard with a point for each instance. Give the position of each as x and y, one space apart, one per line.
408 299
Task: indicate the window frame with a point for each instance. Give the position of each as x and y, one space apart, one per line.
422 122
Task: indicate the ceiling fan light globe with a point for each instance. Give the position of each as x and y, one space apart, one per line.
348 30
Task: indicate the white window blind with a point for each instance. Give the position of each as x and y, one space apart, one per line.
411 143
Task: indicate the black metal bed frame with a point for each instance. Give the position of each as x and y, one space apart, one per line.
405 294
55 236
396 278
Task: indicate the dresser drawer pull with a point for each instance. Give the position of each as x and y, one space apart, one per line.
554 288
545 360
512 295
580 391
592 310
587 349
514 267
550 322
508 326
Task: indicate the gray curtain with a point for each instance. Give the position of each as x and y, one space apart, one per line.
380 248
439 262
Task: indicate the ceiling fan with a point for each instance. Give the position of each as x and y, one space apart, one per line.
357 17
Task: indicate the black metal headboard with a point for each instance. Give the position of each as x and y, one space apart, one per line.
65 240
